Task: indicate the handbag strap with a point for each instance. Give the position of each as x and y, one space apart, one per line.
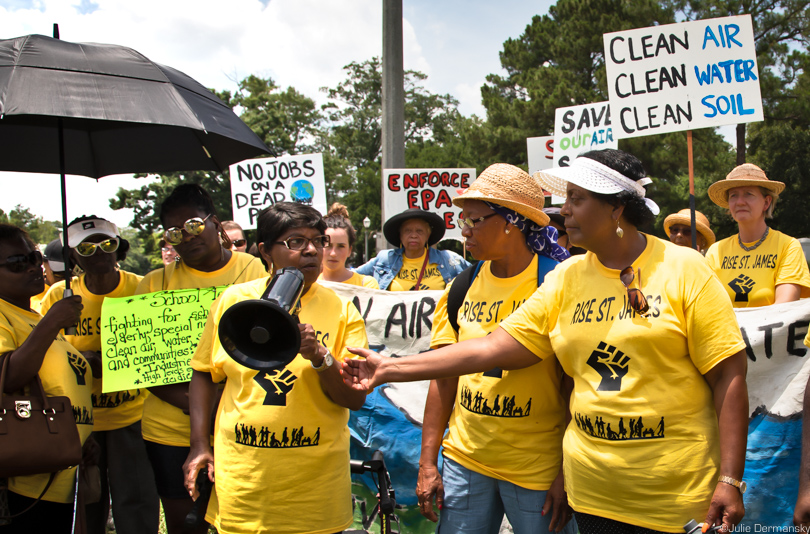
4 488
34 385
422 272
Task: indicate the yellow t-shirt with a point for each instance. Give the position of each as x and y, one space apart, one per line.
64 372
36 301
358 279
163 423
409 273
110 410
281 445
750 278
643 447
505 424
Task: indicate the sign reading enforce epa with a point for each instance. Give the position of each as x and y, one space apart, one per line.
682 76
426 189
259 183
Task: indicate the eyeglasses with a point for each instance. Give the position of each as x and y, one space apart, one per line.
88 249
300 243
470 223
18 263
683 230
635 297
239 242
193 226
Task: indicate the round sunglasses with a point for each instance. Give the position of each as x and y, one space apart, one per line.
193 226
87 249
19 263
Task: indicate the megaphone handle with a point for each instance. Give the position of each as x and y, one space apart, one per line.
69 330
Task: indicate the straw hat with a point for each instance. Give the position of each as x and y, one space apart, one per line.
436 223
510 187
685 218
745 175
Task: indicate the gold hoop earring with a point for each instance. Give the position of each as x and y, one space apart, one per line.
507 231
619 231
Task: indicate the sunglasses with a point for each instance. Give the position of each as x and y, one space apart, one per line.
634 296
239 242
300 243
88 249
193 226
683 230
18 263
470 223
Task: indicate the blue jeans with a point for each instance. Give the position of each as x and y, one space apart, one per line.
475 504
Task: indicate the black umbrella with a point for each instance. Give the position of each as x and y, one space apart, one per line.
98 109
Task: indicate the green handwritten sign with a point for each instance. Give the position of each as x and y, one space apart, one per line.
148 340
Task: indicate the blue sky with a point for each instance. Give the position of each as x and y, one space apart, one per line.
299 43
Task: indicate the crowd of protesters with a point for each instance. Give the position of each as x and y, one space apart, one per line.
630 418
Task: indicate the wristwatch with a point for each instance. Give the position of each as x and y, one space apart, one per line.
739 484
327 362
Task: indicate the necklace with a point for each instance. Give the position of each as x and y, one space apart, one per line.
755 245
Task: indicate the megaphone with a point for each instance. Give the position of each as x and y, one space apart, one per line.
263 334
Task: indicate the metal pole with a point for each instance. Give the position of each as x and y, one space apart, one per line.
393 91
365 256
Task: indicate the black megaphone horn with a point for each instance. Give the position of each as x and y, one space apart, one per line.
263 334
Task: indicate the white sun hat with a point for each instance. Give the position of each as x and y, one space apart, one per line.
594 177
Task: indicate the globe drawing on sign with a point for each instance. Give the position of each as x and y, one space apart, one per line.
302 192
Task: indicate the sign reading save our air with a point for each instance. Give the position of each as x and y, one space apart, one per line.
682 76
578 129
426 189
148 340
259 183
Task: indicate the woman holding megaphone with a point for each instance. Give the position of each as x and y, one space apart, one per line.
282 433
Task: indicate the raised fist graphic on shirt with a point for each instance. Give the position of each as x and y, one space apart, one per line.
79 367
742 286
611 364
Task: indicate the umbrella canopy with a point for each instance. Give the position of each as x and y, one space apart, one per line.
120 113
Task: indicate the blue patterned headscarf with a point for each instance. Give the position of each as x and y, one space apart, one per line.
541 239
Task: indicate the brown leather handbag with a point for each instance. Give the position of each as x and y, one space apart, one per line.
38 434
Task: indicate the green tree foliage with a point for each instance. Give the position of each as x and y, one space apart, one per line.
781 146
779 27
351 140
40 230
139 261
557 62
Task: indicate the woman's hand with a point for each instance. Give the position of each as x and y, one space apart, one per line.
801 514
65 312
197 460
91 452
557 504
429 487
727 507
310 348
362 374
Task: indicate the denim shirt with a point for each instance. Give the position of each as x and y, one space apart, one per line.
386 265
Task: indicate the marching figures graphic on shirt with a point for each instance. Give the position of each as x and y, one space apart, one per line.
742 286
611 364
268 439
634 429
499 407
277 384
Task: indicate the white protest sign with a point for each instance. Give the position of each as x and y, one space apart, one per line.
426 189
578 129
398 324
683 76
259 183
541 153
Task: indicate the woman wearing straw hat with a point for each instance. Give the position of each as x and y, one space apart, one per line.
758 266
415 265
678 226
503 451
660 404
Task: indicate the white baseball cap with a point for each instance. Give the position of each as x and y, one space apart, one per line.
80 230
